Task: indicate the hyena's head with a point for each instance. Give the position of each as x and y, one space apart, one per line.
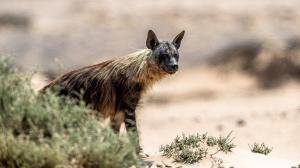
165 53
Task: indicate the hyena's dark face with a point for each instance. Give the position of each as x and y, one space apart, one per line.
165 53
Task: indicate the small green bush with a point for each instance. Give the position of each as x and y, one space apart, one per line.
193 148
260 148
47 131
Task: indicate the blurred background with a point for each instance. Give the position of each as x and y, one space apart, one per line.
239 61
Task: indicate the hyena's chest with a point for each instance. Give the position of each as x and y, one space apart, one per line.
118 96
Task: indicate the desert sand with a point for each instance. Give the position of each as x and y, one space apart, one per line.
202 100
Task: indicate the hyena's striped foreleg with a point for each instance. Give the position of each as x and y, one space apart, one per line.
128 107
131 125
130 120
128 117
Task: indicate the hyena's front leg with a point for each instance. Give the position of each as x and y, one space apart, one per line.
128 109
130 124
116 121
130 121
128 117
128 105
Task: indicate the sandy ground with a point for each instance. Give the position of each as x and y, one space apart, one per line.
239 158
202 100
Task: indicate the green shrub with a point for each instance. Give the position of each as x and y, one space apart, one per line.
260 148
193 148
46 131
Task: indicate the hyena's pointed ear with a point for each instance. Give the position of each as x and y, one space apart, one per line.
152 40
177 39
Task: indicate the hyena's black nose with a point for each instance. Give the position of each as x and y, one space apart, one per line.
174 67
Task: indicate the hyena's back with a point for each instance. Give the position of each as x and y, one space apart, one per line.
91 84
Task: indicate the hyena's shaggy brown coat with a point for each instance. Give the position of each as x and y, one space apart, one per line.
114 87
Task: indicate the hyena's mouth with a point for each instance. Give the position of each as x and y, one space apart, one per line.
170 69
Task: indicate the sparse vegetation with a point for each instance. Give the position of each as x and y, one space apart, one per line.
260 148
193 148
47 131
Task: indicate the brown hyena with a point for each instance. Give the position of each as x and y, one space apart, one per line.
113 88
